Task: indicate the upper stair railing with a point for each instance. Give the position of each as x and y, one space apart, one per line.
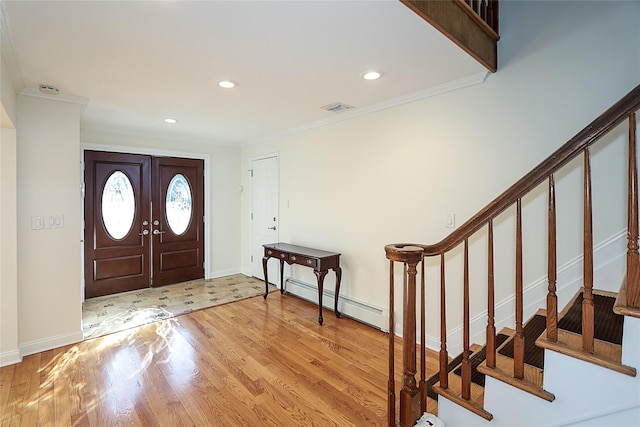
470 24
487 10
413 392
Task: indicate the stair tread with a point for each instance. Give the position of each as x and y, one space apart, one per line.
454 393
604 354
477 358
532 329
608 326
454 365
531 383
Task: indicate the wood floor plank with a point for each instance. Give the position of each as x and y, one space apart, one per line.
253 362
27 378
47 371
6 377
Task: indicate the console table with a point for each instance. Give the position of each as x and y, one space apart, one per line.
320 261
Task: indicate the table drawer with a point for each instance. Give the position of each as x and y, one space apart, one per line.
276 254
302 260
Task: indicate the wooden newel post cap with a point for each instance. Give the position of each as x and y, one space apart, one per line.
400 252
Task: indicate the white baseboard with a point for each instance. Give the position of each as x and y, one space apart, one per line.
10 358
37 346
347 306
223 273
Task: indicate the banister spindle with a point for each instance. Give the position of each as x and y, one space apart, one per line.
518 339
444 356
587 296
633 260
423 343
491 309
494 4
391 384
552 298
466 365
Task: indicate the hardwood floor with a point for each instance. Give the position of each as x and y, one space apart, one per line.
249 363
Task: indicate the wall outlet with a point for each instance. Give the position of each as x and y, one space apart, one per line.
54 221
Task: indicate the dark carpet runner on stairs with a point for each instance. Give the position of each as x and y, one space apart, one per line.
533 355
476 359
608 327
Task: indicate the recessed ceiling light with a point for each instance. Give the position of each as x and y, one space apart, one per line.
170 120
227 84
372 75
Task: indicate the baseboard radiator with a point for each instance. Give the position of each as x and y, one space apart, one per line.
365 313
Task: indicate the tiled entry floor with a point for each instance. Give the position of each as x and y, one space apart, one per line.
113 313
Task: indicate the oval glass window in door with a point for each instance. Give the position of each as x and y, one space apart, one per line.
178 204
118 205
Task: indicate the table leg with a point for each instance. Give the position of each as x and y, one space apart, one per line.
281 276
338 271
266 278
320 275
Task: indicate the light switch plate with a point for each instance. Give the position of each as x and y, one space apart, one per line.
450 220
37 222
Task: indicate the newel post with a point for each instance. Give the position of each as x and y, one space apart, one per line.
410 397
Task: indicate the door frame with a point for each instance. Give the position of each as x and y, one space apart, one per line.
151 152
251 231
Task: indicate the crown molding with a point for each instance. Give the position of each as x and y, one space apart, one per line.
451 86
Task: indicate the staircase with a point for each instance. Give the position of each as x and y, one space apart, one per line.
570 365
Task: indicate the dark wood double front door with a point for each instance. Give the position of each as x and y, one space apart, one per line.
144 221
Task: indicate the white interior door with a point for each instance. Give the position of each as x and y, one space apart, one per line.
264 214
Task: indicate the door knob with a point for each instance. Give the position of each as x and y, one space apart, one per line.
156 232
144 233
271 228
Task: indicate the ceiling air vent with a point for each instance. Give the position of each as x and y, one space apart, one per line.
337 107
49 90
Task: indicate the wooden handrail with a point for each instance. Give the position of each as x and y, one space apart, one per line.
572 148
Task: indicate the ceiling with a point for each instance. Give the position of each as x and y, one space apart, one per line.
138 62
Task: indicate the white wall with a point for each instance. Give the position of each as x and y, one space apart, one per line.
390 176
9 351
222 187
49 306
